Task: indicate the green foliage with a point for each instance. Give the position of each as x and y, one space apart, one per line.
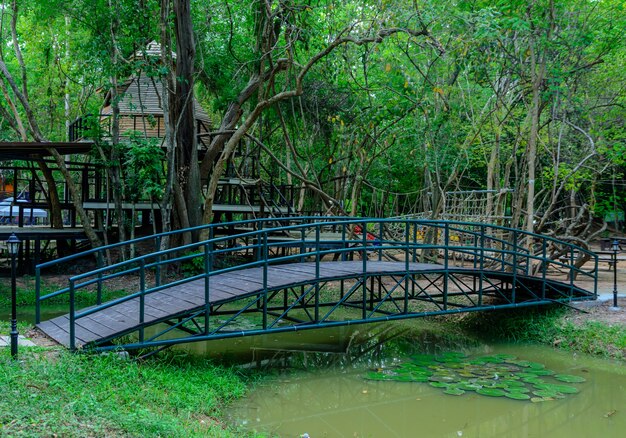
142 166
406 113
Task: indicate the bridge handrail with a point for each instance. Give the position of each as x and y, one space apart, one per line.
508 256
338 221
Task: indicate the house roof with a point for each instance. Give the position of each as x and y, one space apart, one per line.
142 95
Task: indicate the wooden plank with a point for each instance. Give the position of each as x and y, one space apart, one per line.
97 326
228 284
83 334
55 332
178 293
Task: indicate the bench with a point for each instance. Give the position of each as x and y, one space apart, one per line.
603 257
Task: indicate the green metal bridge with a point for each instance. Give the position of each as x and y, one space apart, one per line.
288 274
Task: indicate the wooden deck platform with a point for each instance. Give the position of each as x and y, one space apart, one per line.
37 232
183 299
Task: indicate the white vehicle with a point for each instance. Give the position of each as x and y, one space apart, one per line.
10 212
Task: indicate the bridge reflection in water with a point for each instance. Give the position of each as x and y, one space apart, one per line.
276 275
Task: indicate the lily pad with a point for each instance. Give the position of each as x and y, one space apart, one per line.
520 363
418 378
505 356
569 378
455 365
517 395
564 389
454 391
510 383
524 375
536 366
540 399
448 359
491 392
545 393
468 386
533 380
443 378
438 384
521 389
409 378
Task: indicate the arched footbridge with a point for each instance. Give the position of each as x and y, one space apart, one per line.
288 274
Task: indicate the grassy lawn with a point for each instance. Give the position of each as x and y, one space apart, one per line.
552 326
49 392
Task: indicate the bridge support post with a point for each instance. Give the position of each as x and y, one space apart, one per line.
265 259
407 253
446 263
482 265
207 296
317 273
544 268
72 317
364 277
37 295
99 264
157 270
142 299
514 266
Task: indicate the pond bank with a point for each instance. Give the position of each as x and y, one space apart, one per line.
589 327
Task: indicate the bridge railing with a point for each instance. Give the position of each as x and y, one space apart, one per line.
258 244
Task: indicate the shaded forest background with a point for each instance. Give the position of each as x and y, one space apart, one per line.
347 100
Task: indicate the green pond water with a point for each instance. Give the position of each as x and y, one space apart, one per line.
328 395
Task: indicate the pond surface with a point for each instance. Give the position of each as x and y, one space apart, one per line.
332 398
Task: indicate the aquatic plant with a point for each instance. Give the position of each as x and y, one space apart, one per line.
498 375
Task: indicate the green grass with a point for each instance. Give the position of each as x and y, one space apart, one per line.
25 294
105 395
551 326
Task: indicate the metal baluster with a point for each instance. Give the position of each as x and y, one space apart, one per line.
37 295
72 317
207 273
514 267
157 273
142 298
99 264
544 270
446 238
364 278
265 258
317 273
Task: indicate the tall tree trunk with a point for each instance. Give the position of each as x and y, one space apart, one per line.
183 111
113 169
169 121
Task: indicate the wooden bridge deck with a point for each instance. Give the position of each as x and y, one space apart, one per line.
183 299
